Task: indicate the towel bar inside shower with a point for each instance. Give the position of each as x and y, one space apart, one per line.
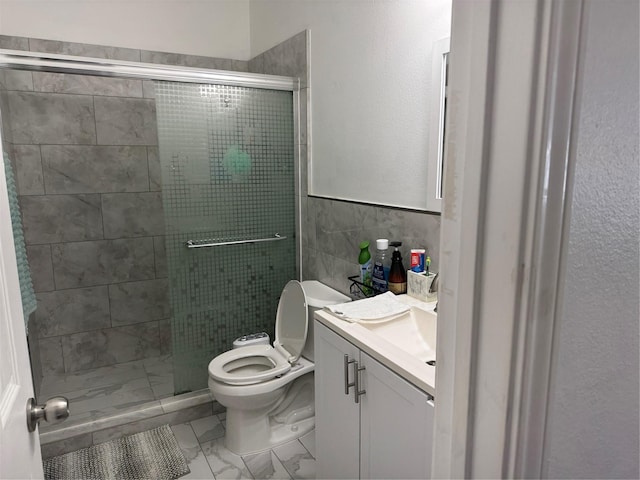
210 243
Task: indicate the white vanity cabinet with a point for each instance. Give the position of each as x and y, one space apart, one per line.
387 434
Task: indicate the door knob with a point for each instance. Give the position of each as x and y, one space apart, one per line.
54 410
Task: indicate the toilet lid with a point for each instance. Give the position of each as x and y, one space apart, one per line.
291 321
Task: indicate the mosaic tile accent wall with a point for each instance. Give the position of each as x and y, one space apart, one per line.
227 161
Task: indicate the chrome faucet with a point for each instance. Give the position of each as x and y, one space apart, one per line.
434 284
434 288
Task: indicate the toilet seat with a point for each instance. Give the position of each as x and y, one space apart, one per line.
248 365
260 363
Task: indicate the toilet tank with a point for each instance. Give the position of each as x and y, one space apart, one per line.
318 296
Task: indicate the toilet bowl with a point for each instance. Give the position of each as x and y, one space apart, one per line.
268 391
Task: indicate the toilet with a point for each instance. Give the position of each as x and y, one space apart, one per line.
268 391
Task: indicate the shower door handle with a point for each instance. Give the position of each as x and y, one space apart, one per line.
54 410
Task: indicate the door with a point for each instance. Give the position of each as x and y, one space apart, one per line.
227 158
337 414
396 425
19 449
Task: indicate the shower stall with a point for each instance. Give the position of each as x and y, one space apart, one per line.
159 210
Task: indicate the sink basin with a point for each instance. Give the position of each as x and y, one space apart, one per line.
406 344
414 332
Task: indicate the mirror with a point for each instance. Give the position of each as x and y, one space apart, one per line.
435 160
378 104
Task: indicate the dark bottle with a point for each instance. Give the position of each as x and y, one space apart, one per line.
397 273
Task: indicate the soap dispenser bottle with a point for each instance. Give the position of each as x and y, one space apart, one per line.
380 277
397 273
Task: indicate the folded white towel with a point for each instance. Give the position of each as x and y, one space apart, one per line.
380 308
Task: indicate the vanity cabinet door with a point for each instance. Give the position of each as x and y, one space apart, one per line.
337 414
396 428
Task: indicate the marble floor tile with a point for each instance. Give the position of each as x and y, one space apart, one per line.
160 373
68 445
110 397
186 400
158 366
163 389
216 406
296 459
73 420
223 419
309 442
99 420
57 384
192 452
208 428
266 465
100 392
224 463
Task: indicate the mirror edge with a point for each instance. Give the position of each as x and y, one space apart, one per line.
435 159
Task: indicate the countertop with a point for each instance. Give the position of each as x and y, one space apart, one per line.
412 369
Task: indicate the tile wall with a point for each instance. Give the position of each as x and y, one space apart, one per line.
85 154
332 229
88 176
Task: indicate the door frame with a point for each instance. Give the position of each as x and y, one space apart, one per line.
510 156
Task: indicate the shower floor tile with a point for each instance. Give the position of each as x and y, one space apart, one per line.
160 374
106 390
57 384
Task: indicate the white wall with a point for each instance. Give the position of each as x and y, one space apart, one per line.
593 423
370 87
215 28
370 69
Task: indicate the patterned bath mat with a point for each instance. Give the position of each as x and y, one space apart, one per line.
153 454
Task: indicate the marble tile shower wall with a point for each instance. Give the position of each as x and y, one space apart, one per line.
289 58
85 153
335 228
108 215
332 229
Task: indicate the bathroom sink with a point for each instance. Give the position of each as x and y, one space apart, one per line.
406 344
414 332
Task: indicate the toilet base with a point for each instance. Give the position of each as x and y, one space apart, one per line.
264 437
251 431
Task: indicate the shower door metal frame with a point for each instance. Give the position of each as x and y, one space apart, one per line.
51 62
75 65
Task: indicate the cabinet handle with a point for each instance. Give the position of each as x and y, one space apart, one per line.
347 385
356 380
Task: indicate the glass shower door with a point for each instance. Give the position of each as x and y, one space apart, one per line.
227 166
